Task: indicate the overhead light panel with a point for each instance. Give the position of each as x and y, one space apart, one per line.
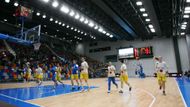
55 4
64 9
82 19
72 13
60 23
139 3
46 1
63 24
150 26
185 16
86 21
51 19
67 26
184 23
56 21
100 29
77 16
5 20
91 24
152 30
104 32
44 16
187 11
107 34
16 4
188 1
183 27
142 9
145 14
7 1
111 36
147 20
183 33
187 8
38 13
96 27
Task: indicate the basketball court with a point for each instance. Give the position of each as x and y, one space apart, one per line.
94 53
145 94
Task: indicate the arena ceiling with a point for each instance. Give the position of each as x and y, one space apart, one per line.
84 20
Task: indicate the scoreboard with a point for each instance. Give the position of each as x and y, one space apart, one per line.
145 52
131 53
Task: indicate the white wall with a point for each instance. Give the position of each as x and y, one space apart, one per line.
182 44
161 47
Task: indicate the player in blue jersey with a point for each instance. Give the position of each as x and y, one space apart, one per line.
74 74
55 74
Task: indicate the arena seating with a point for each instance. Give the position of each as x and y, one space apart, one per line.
11 68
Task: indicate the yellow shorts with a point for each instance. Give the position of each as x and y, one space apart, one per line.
84 76
28 76
124 78
58 77
161 77
39 76
74 76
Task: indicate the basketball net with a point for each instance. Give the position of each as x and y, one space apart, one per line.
36 46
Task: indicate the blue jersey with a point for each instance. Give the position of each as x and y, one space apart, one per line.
75 68
53 70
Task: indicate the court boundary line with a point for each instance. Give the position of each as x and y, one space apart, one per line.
154 98
185 104
79 91
20 100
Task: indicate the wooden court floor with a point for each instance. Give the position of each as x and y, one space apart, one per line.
145 93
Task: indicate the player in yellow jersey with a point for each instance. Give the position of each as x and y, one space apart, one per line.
162 69
124 76
39 75
84 73
28 73
58 74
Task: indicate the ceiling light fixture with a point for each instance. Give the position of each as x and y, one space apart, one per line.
150 26
145 14
44 16
86 21
38 13
187 8
152 30
139 3
51 19
55 4
91 24
7 1
82 19
185 16
16 4
72 13
77 16
147 20
46 1
64 9
142 9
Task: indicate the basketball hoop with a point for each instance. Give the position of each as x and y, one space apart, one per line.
36 46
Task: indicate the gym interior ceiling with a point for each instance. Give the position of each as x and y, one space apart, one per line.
84 20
